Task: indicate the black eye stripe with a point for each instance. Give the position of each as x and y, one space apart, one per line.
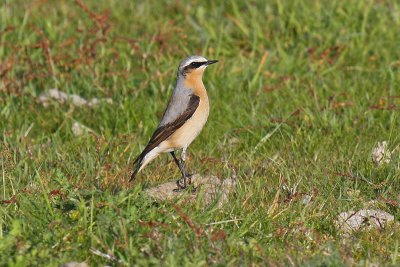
196 64
191 66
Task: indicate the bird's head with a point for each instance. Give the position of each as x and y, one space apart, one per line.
194 65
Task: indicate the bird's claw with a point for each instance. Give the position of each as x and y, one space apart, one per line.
184 183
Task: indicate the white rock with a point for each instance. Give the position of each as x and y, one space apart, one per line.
79 129
381 154
306 199
94 102
78 100
350 221
56 94
209 187
62 97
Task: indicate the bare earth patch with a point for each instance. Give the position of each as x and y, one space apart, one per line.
207 187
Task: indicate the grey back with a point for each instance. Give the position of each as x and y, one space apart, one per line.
178 102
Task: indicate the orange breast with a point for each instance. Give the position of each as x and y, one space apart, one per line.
185 135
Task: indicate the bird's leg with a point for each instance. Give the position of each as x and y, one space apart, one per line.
181 165
183 161
183 156
186 179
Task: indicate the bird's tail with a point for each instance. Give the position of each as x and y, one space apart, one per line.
143 159
138 165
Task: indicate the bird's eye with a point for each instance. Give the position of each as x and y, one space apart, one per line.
196 64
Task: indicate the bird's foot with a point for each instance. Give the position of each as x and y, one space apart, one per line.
185 183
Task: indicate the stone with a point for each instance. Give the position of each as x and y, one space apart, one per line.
381 153
350 221
76 100
80 129
208 187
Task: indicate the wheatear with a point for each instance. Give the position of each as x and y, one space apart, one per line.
184 118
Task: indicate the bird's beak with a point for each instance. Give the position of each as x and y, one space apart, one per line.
209 62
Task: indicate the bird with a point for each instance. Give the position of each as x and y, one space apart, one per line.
184 118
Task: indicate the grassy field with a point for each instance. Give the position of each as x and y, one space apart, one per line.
303 92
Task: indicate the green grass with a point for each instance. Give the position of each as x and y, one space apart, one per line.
302 93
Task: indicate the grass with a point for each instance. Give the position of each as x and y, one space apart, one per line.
303 92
